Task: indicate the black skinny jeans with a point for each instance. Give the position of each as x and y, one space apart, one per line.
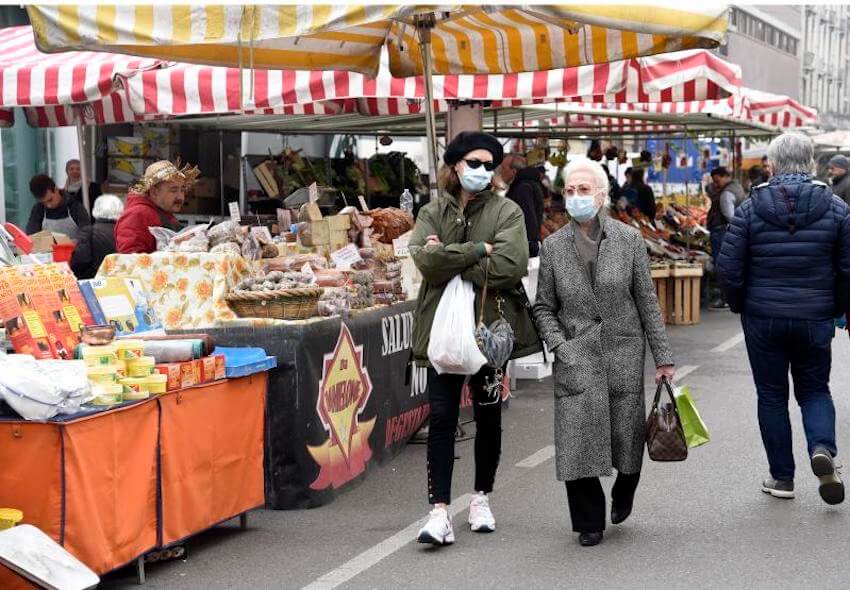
444 395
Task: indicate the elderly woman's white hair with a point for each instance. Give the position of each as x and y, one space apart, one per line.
791 153
596 170
108 207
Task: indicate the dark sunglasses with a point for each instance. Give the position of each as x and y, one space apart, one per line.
488 166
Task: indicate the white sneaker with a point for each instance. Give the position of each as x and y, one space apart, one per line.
438 529
481 519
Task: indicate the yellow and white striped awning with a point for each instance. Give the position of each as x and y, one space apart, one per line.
465 39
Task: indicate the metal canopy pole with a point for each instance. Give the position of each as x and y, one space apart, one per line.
424 24
84 160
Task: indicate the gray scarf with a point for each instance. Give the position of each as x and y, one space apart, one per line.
587 245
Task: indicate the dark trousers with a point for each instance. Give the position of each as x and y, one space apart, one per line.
587 500
805 347
444 396
717 235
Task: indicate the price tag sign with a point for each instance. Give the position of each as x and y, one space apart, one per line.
314 192
234 211
344 258
262 233
400 245
363 206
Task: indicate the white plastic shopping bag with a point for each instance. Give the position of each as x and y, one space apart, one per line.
452 348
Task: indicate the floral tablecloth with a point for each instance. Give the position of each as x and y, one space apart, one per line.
186 290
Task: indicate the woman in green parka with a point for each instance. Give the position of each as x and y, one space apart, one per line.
459 233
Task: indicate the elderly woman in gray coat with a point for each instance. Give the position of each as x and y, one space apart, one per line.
595 309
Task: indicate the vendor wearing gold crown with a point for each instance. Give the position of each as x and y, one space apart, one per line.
153 202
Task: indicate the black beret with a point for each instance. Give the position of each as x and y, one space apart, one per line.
468 141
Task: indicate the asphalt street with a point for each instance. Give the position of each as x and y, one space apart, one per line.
703 523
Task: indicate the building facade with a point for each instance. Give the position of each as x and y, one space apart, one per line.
766 42
798 51
825 63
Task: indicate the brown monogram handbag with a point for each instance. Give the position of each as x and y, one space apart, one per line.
665 439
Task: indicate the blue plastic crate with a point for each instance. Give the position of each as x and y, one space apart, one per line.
240 362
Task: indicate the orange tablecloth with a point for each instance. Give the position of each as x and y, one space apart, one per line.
90 484
211 445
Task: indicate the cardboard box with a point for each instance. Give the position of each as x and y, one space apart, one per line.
159 135
125 147
208 366
187 375
43 241
120 302
198 371
121 170
67 289
220 368
174 374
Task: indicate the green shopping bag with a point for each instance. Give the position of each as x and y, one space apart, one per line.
696 432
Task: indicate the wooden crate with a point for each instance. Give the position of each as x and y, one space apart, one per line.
661 278
683 300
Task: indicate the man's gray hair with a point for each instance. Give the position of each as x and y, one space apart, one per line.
791 153
107 207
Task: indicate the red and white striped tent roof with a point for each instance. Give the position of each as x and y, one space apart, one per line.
102 88
763 108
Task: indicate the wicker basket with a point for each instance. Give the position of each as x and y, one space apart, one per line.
290 304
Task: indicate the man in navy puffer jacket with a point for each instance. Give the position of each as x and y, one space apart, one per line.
785 266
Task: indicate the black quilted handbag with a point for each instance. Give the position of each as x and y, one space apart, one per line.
495 341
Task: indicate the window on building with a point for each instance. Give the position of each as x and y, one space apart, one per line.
733 17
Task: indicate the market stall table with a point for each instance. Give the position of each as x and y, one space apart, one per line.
113 485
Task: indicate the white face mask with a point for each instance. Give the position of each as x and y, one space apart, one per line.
475 180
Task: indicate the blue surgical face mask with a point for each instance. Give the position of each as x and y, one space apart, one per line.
475 180
582 208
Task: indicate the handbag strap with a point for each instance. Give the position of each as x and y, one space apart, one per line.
664 384
484 291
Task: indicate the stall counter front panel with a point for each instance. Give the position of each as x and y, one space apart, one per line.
339 401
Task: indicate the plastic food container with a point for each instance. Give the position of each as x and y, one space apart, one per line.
128 350
141 367
157 383
99 355
137 384
131 394
103 374
9 517
108 395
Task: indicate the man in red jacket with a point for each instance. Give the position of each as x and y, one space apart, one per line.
152 203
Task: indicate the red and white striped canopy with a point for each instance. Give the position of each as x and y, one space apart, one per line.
102 88
748 105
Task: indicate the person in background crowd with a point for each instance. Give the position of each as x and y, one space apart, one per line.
629 192
54 212
528 192
152 203
595 314
725 195
508 170
785 265
838 168
73 188
644 192
468 231
555 200
756 176
97 241
594 152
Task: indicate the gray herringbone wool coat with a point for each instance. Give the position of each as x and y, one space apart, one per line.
598 333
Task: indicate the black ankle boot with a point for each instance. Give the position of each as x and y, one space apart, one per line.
590 539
